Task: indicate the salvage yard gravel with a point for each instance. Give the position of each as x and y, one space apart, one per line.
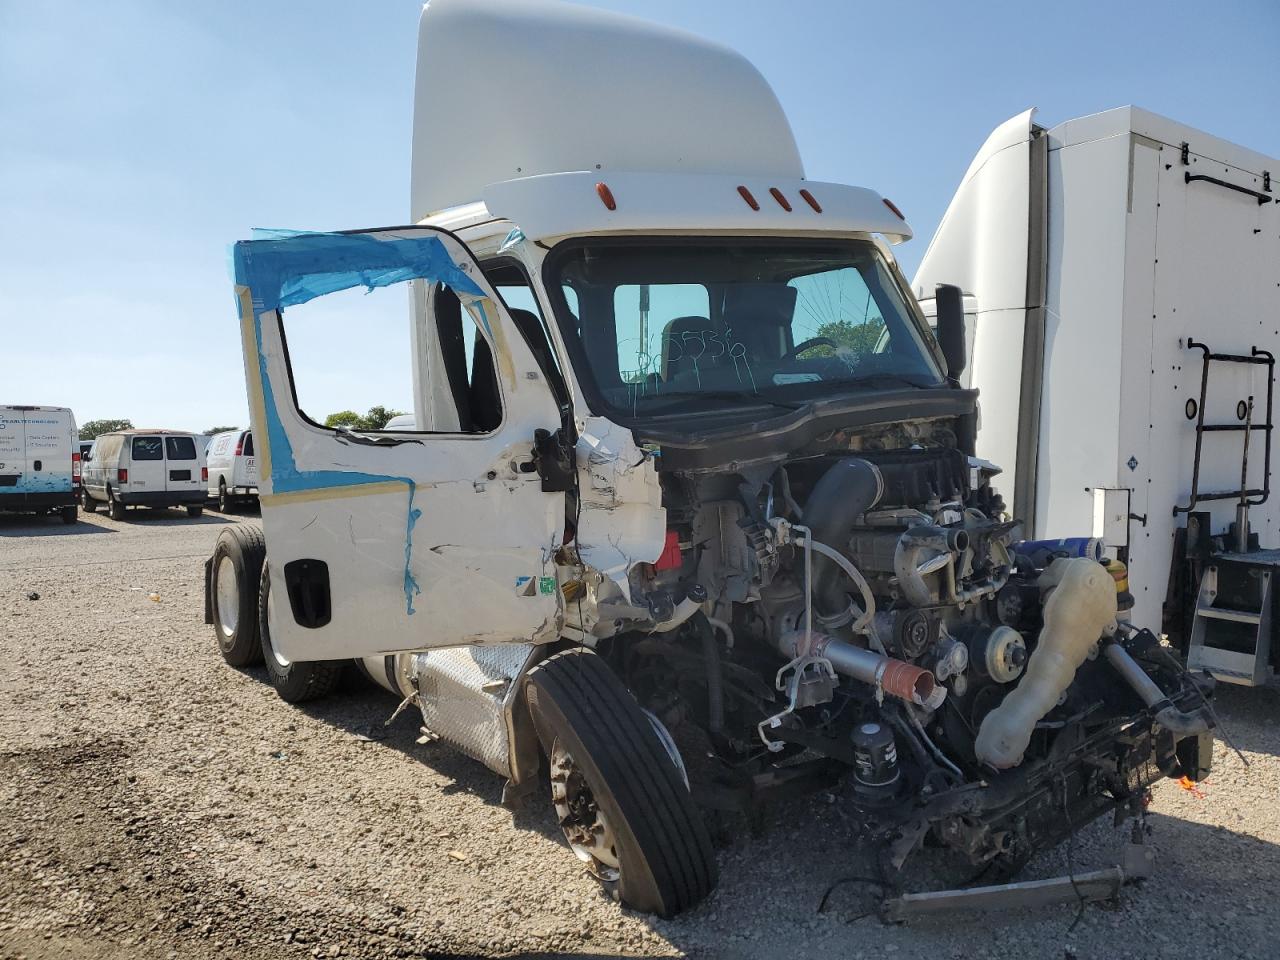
157 804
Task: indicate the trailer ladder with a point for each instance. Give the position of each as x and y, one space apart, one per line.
1247 497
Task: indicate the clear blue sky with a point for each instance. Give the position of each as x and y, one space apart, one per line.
138 139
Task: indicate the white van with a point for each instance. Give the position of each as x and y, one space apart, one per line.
39 461
233 469
145 468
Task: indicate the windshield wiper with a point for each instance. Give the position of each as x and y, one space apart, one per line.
908 379
745 396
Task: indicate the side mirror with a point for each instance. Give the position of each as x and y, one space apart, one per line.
950 317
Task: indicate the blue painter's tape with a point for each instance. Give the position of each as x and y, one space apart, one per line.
283 269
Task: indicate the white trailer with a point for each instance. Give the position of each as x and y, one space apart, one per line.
1102 260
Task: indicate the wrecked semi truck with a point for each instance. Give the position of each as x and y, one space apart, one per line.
689 517
1148 253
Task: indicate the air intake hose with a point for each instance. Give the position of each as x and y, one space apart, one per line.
845 492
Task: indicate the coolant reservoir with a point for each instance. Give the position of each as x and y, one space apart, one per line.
1081 606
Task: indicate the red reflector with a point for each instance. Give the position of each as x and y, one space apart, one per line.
808 198
746 195
204 474
122 475
894 207
670 559
240 445
783 202
606 196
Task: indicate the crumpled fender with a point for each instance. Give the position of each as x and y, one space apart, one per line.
622 519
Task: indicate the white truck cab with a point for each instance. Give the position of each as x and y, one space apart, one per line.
233 468
684 454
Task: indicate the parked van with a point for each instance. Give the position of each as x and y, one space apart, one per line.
39 461
145 468
233 470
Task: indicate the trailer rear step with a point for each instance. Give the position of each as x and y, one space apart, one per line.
1233 641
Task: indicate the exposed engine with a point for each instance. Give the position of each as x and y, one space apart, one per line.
873 616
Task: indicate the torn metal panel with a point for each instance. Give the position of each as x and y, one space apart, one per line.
622 521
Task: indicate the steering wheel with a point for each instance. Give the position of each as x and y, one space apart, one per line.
809 344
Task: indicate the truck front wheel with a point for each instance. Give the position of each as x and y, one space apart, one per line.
618 795
296 682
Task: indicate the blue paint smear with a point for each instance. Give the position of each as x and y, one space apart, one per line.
285 269
42 481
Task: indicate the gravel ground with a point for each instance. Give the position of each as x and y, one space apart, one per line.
156 803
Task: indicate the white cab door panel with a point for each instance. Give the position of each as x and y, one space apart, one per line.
380 543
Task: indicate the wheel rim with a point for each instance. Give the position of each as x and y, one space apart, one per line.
266 587
584 824
228 597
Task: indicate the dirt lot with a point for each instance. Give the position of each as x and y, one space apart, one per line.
156 803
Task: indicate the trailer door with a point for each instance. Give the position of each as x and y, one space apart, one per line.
380 542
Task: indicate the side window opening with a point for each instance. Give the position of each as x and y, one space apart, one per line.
247 450
350 357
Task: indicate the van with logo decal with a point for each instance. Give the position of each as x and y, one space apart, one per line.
39 461
233 470
145 468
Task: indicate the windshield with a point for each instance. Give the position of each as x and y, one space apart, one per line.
678 327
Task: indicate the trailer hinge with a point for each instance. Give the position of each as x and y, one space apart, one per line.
1266 180
1186 152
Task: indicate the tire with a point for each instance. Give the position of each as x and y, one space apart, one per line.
69 514
195 510
296 682
233 591
115 509
664 859
87 503
224 501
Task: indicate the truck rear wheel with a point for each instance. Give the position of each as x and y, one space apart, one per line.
69 514
87 503
224 501
195 509
296 682
619 796
115 509
233 589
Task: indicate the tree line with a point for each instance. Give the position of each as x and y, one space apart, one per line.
375 419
